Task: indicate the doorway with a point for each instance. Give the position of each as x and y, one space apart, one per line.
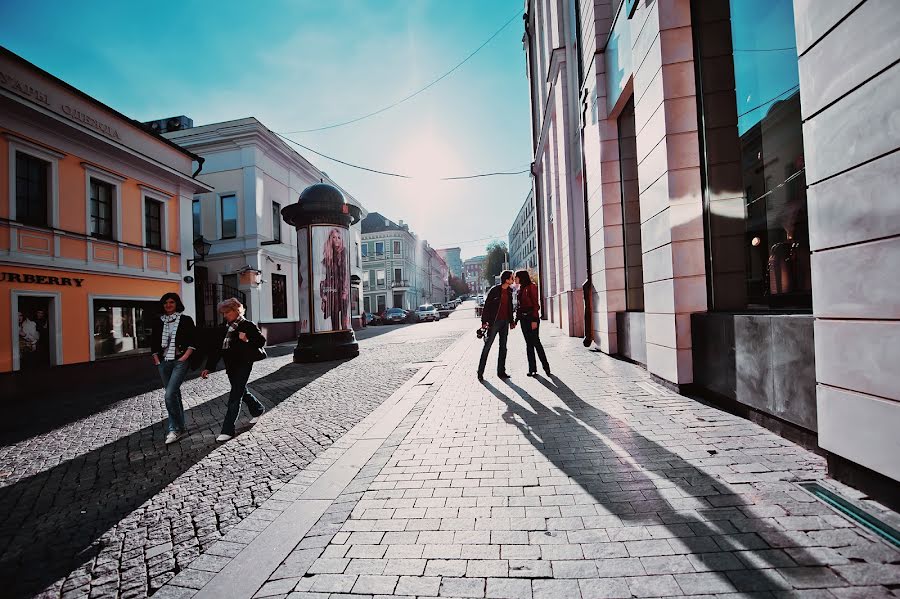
36 332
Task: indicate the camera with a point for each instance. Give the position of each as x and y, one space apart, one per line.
479 333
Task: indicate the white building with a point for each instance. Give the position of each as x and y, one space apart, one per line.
523 241
255 174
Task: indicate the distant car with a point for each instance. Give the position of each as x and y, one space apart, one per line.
427 312
445 310
372 319
394 316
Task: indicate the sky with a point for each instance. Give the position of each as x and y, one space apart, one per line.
304 64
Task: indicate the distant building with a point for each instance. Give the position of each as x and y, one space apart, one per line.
453 259
523 237
254 252
399 270
472 274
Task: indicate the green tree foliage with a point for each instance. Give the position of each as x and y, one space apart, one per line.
493 263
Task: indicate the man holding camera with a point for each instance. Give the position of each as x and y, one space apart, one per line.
497 318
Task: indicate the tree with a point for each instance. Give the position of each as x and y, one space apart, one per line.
494 260
458 286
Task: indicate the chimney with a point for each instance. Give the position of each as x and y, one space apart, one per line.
401 222
387 223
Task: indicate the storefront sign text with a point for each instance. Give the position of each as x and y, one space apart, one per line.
14 277
77 115
23 89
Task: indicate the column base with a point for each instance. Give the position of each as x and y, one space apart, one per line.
322 347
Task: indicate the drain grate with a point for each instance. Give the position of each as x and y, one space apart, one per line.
863 518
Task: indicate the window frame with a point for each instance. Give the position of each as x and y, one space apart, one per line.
148 193
221 213
364 248
148 201
17 144
197 219
286 311
377 253
276 221
380 281
396 248
113 180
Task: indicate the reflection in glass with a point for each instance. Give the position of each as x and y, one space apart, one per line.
122 327
229 217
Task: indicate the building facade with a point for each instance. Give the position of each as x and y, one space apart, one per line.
392 271
94 229
254 252
739 237
439 275
473 274
523 243
453 259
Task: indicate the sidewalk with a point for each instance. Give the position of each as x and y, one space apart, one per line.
596 483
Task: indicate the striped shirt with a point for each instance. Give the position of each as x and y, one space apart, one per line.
170 329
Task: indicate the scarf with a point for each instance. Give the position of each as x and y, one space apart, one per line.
230 332
170 329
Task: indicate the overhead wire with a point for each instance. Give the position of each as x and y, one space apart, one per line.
418 91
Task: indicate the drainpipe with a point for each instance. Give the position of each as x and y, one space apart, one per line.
200 161
588 286
533 169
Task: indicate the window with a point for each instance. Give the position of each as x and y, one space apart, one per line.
631 209
101 209
396 248
754 167
279 296
379 277
229 217
276 221
381 303
365 250
32 191
230 285
367 305
153 224
122 327
197 218
379 248
398 274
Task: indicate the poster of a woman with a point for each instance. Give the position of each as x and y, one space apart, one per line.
332 278
303 278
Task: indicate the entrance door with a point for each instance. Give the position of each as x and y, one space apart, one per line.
37 343
398 300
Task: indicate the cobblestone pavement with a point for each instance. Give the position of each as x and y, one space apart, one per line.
101 507
594 483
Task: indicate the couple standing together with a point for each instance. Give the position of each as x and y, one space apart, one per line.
175 339
498 318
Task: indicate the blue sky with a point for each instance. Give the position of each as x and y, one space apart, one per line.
302 64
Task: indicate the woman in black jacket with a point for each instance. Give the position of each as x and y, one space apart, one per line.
529 314
239 343
172 341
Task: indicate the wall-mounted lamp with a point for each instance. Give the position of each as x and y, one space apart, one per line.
201 248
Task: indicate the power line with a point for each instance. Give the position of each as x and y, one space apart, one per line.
769 101
786 48
399 175
415 93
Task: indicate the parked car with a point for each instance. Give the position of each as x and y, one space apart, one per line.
394 316
427 312
372 319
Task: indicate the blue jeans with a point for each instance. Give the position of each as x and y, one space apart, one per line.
238 375
501 328
172 373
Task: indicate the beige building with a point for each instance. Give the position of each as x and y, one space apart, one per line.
725 188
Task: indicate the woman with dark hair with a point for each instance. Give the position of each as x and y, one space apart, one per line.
528 313
239 343
172 341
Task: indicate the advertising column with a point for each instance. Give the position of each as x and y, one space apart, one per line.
322 218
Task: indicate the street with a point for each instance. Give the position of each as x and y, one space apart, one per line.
101 506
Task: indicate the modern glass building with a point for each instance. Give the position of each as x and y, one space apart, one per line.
728 202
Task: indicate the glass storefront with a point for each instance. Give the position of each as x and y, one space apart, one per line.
122 327
755 188
631 209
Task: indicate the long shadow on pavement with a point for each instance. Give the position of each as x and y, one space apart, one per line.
51 523
580 440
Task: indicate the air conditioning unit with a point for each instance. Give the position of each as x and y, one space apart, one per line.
174 123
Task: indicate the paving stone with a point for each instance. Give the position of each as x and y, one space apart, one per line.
508 588
554 589
418 585
462 587
375 585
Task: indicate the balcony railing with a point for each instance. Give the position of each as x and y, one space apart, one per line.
399 283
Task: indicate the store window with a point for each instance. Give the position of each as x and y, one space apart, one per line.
279 296
122 327
32 190
101 209
276 221
754 168
153 223
197 218
229 216
631 209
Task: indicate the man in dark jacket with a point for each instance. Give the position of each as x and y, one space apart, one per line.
497 319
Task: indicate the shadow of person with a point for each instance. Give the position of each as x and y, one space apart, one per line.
59 520
652 499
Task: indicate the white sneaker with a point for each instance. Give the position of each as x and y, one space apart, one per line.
172 437
223 438
255 419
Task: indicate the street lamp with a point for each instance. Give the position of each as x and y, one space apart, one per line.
201 248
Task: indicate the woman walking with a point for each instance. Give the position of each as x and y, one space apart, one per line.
172 341
240 344
529 314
